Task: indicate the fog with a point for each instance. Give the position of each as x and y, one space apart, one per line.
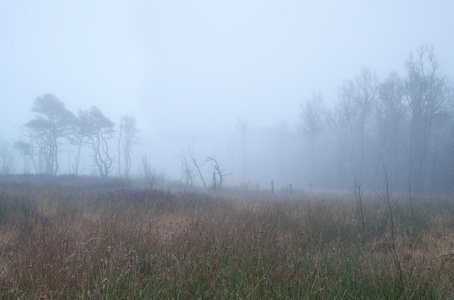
235 80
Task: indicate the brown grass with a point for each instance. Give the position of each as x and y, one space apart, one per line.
222 247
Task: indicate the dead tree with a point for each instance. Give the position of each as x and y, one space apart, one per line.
214 181
186 169
194 161
217 170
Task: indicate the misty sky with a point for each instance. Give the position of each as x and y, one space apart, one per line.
189 69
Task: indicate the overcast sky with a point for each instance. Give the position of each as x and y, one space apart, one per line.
189 69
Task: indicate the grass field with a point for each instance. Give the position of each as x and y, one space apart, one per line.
92 240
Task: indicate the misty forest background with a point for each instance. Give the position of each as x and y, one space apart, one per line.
400 126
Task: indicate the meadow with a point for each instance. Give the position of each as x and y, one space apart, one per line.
85 238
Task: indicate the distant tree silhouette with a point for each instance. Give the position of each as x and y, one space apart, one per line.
217 171
127 137
187 171
428 92
99 130
391 114
341 123
52 124
365 92
312 119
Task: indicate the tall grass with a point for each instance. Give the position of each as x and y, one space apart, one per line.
57 241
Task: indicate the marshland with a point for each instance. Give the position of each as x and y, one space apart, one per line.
226 149
88 238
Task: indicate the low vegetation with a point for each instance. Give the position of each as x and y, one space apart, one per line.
94 240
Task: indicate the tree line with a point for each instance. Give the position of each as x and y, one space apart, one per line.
403 124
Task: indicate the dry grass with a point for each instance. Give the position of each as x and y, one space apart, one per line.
156 245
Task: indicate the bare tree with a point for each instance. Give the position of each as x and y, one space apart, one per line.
427 94
217 171
187 171
341 122
364 93
79 139
356 99
128 137
194 161
52 123
99 130
312 117
390 113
